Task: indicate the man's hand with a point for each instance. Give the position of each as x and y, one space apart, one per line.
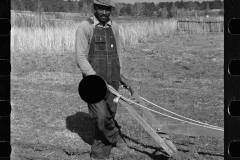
126 84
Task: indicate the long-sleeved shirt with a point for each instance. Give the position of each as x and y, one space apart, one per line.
84 34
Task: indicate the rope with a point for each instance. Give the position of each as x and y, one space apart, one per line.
204 124
171 116
178 114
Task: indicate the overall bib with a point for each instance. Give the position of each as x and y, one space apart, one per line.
103 58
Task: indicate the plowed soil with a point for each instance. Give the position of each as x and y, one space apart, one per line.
182 73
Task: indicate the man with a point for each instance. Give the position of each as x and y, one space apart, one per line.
97 53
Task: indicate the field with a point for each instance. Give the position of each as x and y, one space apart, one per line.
179 71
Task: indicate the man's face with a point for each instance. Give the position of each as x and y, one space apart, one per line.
102 13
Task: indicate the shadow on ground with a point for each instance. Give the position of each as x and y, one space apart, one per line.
152 155
82 124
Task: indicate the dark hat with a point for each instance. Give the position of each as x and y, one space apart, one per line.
109 3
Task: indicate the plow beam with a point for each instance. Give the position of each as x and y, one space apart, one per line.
153 122
149 129
188 130
147 113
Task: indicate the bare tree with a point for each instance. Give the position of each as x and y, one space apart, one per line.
155 13
87 8
207 9
137 8
164 13
118 8
207 6
39 7
192 5
174 10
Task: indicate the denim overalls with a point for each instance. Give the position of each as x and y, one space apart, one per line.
104 60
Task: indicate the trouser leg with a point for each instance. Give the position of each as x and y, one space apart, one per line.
106 130
101 148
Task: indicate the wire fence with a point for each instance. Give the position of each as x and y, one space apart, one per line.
191 26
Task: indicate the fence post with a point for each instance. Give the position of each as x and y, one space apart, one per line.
177 25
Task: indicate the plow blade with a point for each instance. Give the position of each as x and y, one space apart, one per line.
188 130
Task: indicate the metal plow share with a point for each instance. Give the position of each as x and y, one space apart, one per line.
159 131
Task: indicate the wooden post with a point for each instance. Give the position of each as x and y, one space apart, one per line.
192 147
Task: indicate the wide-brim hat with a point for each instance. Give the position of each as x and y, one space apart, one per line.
109 3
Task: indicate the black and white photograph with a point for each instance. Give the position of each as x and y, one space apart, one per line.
117 79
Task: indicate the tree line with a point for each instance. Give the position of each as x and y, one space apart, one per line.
161 9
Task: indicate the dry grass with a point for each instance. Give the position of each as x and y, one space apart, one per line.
38 34
37 40
136 32
62 38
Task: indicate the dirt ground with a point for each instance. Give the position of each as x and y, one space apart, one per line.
182 73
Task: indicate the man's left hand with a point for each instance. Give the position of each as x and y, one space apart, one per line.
126 84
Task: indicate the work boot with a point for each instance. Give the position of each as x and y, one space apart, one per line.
122 146
92 158
101 158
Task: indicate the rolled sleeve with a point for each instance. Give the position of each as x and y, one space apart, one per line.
81 49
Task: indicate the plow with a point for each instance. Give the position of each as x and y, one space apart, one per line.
159 132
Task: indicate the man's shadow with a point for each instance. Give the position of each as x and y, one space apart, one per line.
82 124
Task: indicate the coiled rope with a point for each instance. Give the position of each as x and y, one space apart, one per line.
201 123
